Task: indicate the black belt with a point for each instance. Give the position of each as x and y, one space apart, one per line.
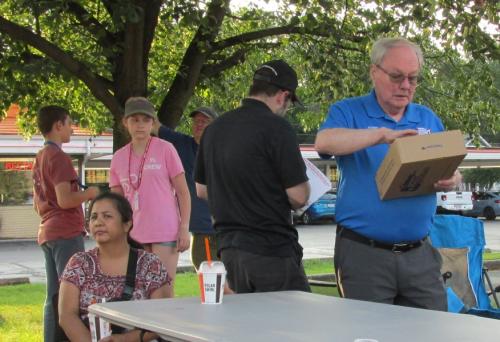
396 248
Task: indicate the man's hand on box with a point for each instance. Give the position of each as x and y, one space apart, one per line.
389 135
450 183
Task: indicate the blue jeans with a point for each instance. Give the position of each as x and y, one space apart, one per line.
57 253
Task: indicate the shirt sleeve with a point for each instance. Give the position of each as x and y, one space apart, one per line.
288 159
152 273
339 116
173 161
114 179
61 169
74 271
168 134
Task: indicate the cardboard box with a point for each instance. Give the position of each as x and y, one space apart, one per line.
413 164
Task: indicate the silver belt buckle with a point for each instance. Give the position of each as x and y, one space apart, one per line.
398 245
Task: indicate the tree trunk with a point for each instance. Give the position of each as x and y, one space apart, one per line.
120 135
189 71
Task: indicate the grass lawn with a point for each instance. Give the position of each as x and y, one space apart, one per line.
491 256
21 306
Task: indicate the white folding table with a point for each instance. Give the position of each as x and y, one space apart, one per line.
295 316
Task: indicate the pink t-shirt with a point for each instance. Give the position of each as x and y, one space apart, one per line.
156 212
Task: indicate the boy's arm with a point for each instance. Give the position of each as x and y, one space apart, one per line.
35 206
118 189
67 199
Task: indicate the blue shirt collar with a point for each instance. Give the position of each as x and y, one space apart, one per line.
375 111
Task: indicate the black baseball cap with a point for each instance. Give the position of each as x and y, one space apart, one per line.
277 72
207 111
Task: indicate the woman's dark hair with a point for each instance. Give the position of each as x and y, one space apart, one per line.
122 205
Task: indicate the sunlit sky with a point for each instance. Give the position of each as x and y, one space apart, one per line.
272 5
269 5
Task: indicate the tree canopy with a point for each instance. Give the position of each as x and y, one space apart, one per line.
90 56
484 179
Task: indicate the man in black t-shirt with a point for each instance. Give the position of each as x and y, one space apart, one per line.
250 169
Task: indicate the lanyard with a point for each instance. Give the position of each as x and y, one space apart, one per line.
141 168
48 142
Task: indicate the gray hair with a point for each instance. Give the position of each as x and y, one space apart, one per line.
382 45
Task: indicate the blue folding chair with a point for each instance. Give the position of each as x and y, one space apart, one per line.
460 241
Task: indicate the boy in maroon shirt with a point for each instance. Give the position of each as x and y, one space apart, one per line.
58 201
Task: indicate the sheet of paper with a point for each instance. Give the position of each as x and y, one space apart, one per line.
319 183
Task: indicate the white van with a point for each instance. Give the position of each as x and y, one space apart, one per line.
454 201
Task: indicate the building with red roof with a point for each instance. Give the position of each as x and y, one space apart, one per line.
91 156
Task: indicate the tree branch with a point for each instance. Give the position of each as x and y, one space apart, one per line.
273 31
215 69
152 11
193 61
109 6
103 36
76 68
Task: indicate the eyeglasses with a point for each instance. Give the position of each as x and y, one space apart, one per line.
201 121
399 78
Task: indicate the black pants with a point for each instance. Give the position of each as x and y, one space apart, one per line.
248 272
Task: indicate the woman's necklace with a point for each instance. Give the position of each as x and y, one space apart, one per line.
135 187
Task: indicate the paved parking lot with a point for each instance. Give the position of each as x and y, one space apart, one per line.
25 258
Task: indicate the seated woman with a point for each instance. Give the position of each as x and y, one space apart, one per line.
101 272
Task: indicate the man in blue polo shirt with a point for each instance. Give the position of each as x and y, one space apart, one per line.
382 253
200 224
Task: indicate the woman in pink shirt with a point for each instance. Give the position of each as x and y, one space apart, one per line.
149 173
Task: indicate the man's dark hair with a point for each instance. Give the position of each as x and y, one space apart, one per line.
47 116
278 74
261 87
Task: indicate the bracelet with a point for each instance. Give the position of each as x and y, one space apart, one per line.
141 335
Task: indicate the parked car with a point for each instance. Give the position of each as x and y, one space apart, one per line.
322 209
485 204
455 202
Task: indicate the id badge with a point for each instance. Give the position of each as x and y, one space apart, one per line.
136 201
